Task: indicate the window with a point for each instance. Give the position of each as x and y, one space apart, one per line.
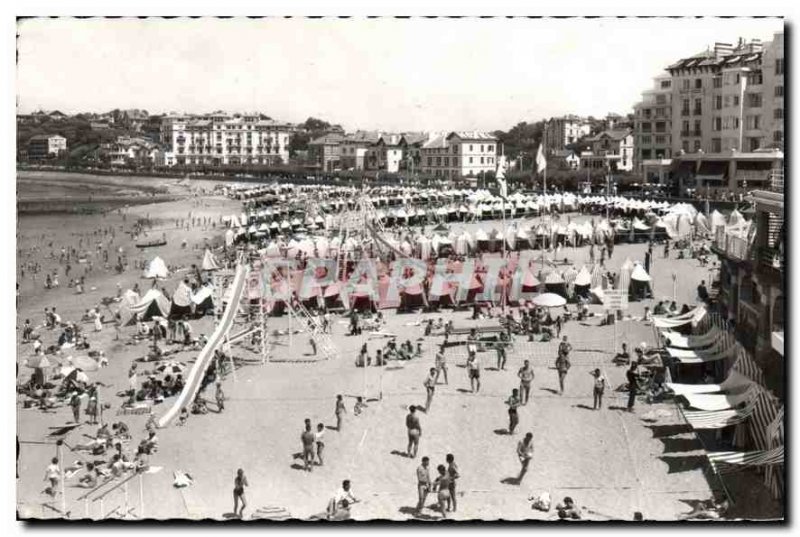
661 99
755 78
685 146
696 146
716 145
470 148
778 114
698 83
666 84
685 128
777 136
685 108
481 148
481 158
718 102
735 100
686 84
646 127
438 161
754 100
752 122
661 140
754 143
647 113
698 107
778 91
455 149
646 140
716 124
779 66
661 126
490 149
645 154
454 160
430 161
470 159
697 127
717 82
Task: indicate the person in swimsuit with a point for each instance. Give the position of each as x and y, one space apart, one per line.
474 368
600 384
430 387
239 483
441 364
513 403
308 438
525 454
452 472
414 431
442 485
340 411
525 375
320 443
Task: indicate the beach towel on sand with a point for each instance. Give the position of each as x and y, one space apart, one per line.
541 502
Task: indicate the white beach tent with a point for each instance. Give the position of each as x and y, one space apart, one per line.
209 263
152 303
156 269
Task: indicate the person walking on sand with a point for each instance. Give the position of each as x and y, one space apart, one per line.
52 475
562 363
453 474
318 438
525 454
525 375
633 379
423 484
441 364
307 438
474 370
513 403
239 483
430 388
75 403
414 431
340 411
600 384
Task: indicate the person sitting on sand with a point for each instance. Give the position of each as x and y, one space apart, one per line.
568 509
623 357
359 406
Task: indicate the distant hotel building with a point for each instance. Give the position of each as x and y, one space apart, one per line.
222 139
728 98
459 154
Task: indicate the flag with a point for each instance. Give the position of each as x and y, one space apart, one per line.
501 176
501 182
541 162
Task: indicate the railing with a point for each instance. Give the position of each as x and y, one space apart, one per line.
684 133
697 133
776 181
732 245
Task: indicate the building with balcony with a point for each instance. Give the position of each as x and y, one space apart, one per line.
386 154
726 97
43 146
459 154
354 149
612 150
728 172
752 280
222 139
562 131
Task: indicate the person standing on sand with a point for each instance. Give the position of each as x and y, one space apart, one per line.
307 438
525 375
318 437
442 486
562 363
513 403
239 483
441 364
340 411
474 370
525 454
423 484
75 403
600 384
414 431
633 378
453 474
430 387
219 395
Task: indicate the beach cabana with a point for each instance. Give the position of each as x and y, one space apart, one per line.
641 283
156 269
181 300
153 303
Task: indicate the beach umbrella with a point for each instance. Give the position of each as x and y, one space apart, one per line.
549 300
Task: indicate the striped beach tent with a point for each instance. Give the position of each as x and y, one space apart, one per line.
718 419
597 276
726 462
774 474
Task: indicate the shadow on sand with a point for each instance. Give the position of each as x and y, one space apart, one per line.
684 463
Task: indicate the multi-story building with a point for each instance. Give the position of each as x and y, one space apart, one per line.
562 131
325 152
412 143
354 149
386 154
459 154
563 159
611 149
711 174
652 124
44 146
725 98
221 139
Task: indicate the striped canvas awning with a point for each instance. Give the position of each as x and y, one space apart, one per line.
717 419
726 462
702 357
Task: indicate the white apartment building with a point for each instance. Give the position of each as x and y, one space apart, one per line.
562 131
220 139
652 123
459 154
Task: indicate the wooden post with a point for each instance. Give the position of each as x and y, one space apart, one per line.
63 479
141 495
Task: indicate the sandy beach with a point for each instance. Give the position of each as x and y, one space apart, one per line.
612 462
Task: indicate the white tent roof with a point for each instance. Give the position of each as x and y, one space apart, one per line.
182 296
209 263
640 275
156 269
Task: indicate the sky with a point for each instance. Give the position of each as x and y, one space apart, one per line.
385 74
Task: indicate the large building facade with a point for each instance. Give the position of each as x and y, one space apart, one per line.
459 154
222 139
46 146
726 98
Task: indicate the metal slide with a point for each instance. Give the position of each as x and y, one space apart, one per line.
198 370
